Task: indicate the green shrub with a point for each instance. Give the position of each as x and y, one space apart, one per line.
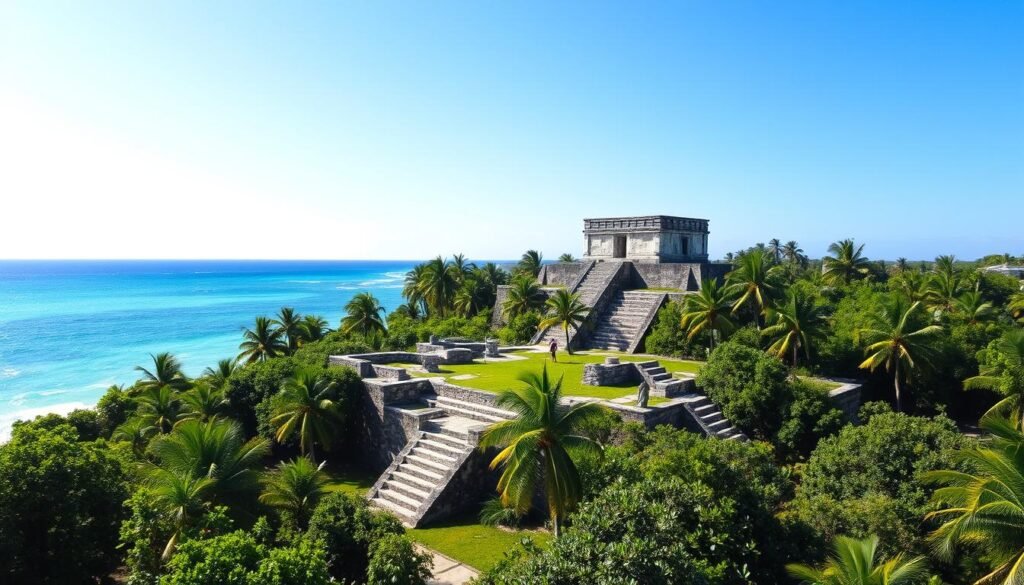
402 332
61 503
346 527
226 560
253 384
302 564
667 337
113 408
394 560
334 343
472 328
520 329
749 386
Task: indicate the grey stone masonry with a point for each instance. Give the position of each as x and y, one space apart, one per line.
708 418
847 398
597 281
622 324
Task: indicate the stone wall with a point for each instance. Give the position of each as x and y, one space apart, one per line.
611 373
383 428
847 398
468 485
665 276
561 274
674 414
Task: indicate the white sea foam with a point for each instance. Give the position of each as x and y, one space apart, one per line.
305 281
395 274
7 420
8 373
52 392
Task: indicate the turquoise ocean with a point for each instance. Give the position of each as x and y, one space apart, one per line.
70 329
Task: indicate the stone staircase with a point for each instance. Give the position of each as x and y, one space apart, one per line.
622 322
710 418
421 471
659 380
589 289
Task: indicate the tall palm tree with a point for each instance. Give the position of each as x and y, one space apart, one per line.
439 281
708 311
984 506
541 443
794 325
137 431
473 296
1016 306
531 262
942 291
566 310
793 253
410 310
567 258
1005 374
974 307
412 289
896 342
262 342
308 406
218 376
160 407
775 250
945 265
203 402
182 498
166 372
913 285
295 487
845 264
753 281
901 265
494 274
524 295
855 562
363 315
312 328
289 323
461 267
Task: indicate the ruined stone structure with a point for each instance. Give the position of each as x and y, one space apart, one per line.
625 258
650 238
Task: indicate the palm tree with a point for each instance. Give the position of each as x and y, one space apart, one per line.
160 407
474 295
901 266
845 264
261 343
524 295
973 305
166 372
985 505
943 289
137 431
216 450
567 258
308 406
461 267
541 443
945 265
530 263
1005 374
218 376
566 310
896 343
793 253
410 310
913 285
795 325
775 249
438 283
495 275
312 328
708 310
288 322
203 402
412 289
180 497
855 562
295 487
1016 306
753 282
363 314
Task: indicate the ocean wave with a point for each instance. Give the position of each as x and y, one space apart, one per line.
8 373
8 419
363 286
51 392
305 281
395 274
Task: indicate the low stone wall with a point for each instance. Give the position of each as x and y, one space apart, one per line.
390 372
847 398
448 390
561 274
611 373
664 275
384 428
674 414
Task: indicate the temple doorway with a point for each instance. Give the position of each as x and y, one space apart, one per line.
619 247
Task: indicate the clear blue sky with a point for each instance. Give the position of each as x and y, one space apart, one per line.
404 130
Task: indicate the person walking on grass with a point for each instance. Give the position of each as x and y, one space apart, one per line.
553 348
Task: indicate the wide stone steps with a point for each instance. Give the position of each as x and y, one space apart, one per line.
621 322
419 473
471 410
711 419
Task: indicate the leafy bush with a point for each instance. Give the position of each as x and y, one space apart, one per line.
865 479
520 329
667 337
473 328
749 386
346 528
347 386
808 417
60 506
113 408
403 332
237 559
334 343
394 560
253 384
302 564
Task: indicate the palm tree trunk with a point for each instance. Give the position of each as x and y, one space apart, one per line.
896 381
556 524
568 350
794 355
312 452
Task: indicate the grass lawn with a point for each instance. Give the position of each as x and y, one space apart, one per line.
819 384
496 376
350 480
466 540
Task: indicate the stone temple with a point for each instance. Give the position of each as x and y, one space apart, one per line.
630 268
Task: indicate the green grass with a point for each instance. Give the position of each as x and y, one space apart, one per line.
350 480
467 541
497 376
819 384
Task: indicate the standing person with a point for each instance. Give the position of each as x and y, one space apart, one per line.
553 348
